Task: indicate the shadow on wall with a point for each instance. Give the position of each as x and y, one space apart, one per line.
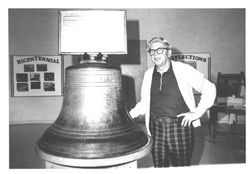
176 51
132 57
133 46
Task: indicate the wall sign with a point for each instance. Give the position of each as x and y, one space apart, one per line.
200 61
36 75
92 32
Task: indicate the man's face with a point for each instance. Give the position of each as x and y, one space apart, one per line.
159 54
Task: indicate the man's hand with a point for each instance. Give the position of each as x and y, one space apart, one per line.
188 118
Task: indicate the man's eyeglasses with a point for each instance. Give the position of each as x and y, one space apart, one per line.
158 51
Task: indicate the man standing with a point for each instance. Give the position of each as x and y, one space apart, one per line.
168 103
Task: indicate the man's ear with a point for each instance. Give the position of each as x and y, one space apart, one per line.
169 53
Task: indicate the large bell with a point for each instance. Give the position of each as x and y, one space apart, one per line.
93 128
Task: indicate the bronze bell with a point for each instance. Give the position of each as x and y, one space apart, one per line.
93 128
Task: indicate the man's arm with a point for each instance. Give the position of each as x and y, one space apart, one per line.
208 93
141 107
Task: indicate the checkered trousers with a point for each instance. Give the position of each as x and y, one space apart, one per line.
171 142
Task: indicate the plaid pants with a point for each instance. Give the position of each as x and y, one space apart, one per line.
171 142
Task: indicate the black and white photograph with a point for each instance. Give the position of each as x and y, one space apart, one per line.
41 67
22 77
34 76
35 85
49 86
22 87
49 76
121 88
29 68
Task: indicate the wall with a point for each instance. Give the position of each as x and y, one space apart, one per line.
218 31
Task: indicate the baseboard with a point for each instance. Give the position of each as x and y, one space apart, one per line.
32 122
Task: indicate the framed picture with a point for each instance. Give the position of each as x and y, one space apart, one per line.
92 32
36 75
200 61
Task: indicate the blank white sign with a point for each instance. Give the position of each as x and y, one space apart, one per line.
93 32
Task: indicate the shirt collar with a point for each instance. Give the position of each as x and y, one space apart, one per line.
169 69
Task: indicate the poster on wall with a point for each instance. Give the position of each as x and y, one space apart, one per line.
36 75
200 61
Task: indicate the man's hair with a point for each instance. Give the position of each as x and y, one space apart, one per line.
159 39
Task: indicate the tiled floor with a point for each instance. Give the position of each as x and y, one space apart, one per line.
227 149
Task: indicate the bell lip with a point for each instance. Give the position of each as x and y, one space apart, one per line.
100 162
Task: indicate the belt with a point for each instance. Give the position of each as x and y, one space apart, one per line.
166 119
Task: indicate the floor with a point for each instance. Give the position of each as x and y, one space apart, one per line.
227 149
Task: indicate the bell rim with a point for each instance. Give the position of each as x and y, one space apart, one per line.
97 162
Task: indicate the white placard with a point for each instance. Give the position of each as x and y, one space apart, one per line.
93 32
